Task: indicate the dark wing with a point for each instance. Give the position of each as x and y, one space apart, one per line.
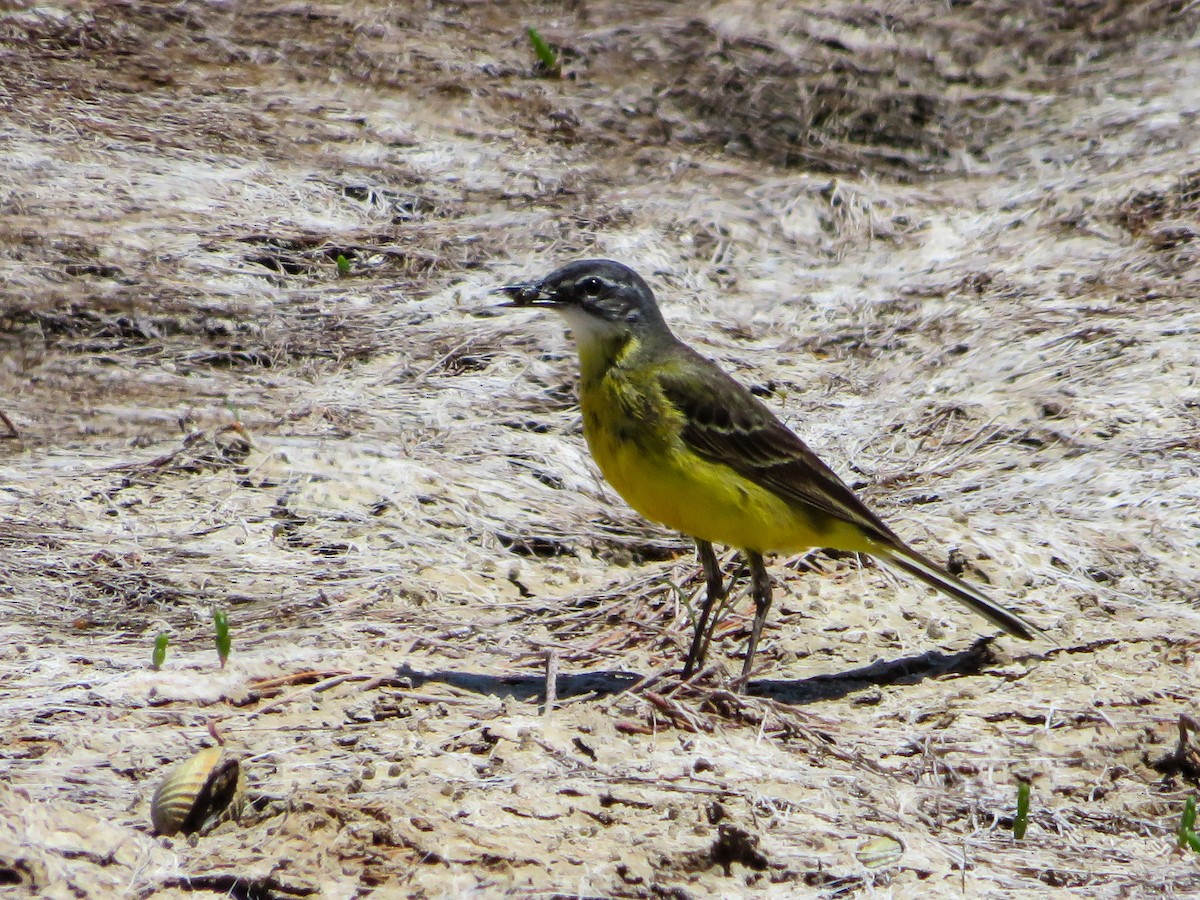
725 423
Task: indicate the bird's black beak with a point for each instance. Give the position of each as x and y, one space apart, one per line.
526 293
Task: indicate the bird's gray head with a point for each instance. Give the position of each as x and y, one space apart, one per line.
597 296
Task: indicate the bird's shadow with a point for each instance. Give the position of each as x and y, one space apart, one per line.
525 688
972 660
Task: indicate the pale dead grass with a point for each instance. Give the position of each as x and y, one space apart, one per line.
956 248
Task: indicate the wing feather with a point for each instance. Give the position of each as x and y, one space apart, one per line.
725 423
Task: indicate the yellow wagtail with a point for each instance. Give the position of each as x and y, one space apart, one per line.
689 447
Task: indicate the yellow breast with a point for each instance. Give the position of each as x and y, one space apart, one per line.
635 437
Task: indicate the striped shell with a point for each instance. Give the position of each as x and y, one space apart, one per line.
198 794
883 850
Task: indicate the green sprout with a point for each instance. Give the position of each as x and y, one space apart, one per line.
1186 836
1021 820
343 265
547 58
160 651
224 644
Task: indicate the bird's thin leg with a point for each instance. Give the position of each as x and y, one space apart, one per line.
760 580
714 593
719 608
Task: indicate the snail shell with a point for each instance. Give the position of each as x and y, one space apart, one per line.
882 850
198 794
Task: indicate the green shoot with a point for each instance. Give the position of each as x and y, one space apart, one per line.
547 58
1021 820
1186 836
224 644
343 265
160 651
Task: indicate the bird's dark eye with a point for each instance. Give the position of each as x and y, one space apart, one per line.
591 286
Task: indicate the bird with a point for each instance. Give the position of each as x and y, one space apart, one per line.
689 447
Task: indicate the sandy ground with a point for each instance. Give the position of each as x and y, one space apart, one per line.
956 246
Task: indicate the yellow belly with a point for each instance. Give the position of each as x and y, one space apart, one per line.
658 476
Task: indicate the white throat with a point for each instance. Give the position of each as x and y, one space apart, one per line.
589 329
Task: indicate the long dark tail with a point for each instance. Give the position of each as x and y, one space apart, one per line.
903 557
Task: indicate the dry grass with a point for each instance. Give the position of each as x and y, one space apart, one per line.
955 245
